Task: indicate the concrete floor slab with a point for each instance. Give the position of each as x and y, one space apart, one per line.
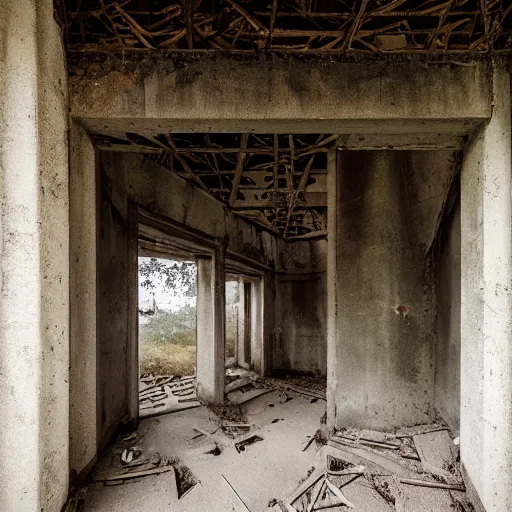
235 481
266 470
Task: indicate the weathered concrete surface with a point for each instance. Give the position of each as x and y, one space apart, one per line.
388 208
112 299
130 177
486 309
83 289
219 94
34 316
266 470
210 327
447 377
300 338
158 190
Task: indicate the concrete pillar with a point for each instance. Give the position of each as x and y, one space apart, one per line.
257 304
244 330
83 333
211 317
332 284
486 305
381 365
34 264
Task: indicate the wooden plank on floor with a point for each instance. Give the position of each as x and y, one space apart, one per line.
239 398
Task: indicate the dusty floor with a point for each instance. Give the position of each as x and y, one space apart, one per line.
264 473
266 470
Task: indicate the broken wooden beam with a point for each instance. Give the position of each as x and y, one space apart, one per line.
433 484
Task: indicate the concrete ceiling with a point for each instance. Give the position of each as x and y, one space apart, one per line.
356 27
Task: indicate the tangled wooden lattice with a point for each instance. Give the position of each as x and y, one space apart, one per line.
290 26
277 181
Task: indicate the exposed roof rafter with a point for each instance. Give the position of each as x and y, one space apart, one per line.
294 26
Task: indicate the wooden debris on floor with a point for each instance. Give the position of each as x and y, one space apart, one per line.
240 383
437 454
419 429
185 479
237 495
244 380
240 397
411 470
166 394
247 441
232 429
129 472
322 489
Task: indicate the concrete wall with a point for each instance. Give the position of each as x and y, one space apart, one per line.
388 209
83 292
112 310
34 315
300 339
486 307
158 190
447 377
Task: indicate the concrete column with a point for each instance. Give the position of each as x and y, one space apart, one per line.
243 324
486 305
382 359
83 332
257 352
211 317
332 284
34 264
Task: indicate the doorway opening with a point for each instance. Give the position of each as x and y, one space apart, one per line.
167 323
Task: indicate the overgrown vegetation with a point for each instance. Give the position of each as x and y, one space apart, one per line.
168 342
167 334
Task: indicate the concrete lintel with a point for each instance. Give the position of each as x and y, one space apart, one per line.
402 141
442 127
233 92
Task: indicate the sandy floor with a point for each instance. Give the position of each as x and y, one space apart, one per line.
271 468
268 469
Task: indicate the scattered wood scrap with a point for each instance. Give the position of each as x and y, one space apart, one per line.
239 383
319 491
360 455
437 453
149 412
239 397
433 484
185 479
129 475
238 495
247 441
419 429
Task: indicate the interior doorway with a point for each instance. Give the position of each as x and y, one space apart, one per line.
167 317
167 332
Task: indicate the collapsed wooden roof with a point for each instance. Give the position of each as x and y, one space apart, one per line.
278 181
290 26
